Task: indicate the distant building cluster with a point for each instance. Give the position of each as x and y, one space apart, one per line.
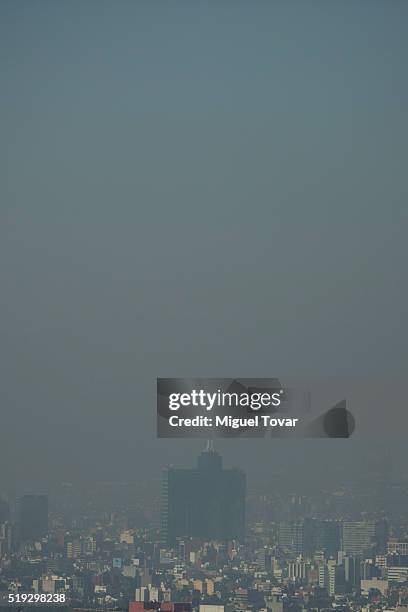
217 548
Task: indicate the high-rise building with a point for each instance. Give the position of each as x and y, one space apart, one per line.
4 511
305 537
352 570
33 517
323 535
206 502
364 537
358 537
330 575
396 547
291 537
397 573
297 570
6 538
73 549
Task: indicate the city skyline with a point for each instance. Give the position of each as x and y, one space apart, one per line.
203 190
294 552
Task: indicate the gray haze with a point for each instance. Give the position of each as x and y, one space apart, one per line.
194 189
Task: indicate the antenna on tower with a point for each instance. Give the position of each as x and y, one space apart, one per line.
209 446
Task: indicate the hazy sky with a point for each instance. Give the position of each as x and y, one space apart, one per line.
192 189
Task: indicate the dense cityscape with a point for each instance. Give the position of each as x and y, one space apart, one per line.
209 545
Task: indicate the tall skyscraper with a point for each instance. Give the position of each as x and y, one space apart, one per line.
352 570
322 535
359 537
4 511
291 537
33 517
206 502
